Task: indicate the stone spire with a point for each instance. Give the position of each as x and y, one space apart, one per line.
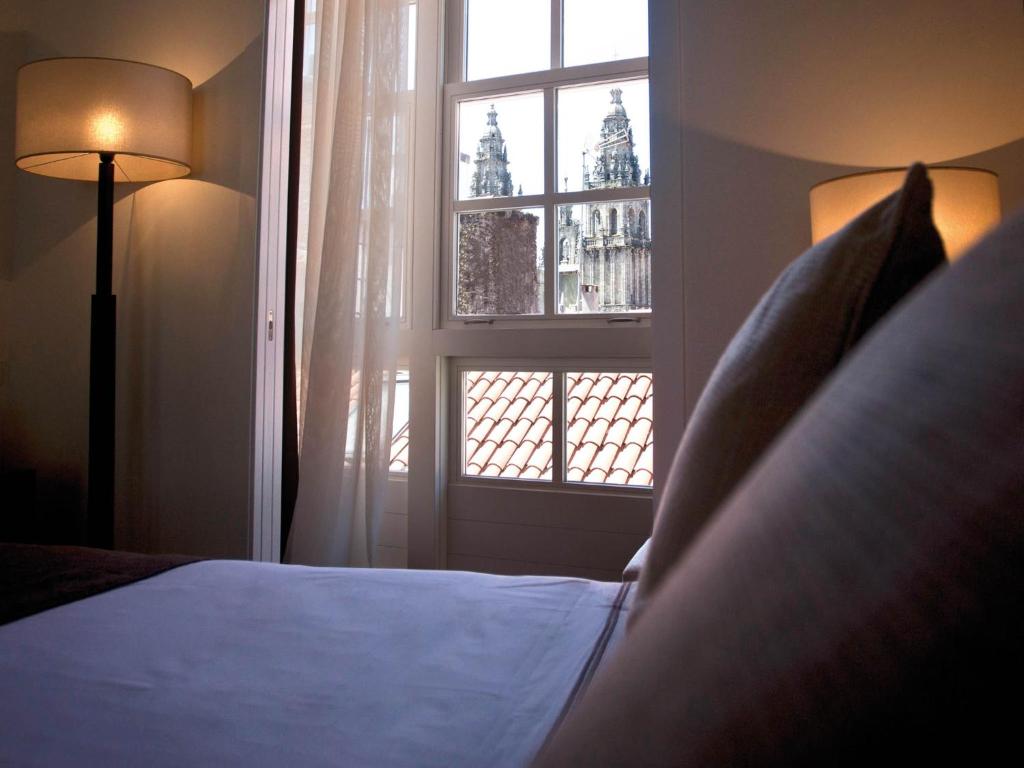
491 177
615 161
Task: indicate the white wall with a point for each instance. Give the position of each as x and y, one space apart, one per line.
184 270
776 97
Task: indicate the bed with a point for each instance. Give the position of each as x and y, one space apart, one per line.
238 663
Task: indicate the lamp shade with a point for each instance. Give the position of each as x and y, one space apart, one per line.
69 110
965 203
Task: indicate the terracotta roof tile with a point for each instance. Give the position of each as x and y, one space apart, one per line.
642 477
618 477
602 384
597 431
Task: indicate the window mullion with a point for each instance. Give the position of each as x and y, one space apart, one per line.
556 34
558 427
550 261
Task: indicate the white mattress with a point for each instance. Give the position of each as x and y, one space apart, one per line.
238 663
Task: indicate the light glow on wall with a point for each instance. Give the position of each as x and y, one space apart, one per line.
965 204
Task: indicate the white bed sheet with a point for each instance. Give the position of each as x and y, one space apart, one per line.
238 663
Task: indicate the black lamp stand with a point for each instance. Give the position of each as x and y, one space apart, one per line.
100 508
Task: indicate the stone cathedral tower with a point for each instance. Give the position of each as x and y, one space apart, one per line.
615 162
498 272
491 177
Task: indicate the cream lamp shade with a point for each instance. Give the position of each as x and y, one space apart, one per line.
70 110
965 205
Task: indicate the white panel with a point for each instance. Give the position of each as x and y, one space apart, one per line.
607 512
391 557
551 546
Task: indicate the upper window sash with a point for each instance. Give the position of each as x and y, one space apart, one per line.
456 64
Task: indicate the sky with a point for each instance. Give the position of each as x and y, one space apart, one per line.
505 38
595 30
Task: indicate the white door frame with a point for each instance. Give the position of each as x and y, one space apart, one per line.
268 366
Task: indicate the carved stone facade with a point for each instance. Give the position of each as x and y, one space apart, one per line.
604 257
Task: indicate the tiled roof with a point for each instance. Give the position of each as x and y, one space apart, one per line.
508 427
609 437
400 449
508 424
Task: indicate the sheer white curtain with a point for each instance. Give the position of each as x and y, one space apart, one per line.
358 204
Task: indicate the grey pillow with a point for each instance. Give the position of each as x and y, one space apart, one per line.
816 311
858 600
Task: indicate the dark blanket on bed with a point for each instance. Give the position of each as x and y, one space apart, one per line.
34 578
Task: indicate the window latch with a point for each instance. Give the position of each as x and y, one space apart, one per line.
270 325
478 322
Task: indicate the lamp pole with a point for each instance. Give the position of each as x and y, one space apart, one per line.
100 508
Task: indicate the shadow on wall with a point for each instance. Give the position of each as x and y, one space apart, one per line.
752 205
185 344
12 53
754 214
44 224
184 265
1008 161
780 96
226 108
865 84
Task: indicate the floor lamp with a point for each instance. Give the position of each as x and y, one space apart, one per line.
104 120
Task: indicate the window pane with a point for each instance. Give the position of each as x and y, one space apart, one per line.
603 30
604 136
506 38
604 256
609 439
501 146
400 424
507 424
500 264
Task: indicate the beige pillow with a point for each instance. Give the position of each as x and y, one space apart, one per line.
858 600
816 311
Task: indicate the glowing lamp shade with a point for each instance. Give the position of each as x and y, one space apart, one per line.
71 110
965 205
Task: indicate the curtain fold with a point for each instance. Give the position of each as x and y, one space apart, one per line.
354 273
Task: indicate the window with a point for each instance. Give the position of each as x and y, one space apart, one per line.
529 340
548 148
547 154
400 424
509 420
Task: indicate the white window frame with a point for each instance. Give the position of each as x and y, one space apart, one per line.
434 343
547 82
557 368
264 539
